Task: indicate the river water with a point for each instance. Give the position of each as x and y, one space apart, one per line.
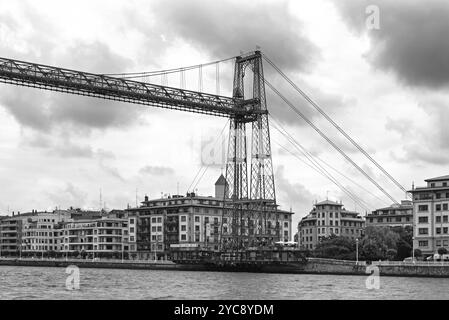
50 283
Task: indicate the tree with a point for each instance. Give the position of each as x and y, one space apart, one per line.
418 253
391 254
442 251
377 241
336 247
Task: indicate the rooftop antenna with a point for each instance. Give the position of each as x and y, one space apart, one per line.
101 200
136 197
327 195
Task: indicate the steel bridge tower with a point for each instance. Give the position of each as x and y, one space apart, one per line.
249 213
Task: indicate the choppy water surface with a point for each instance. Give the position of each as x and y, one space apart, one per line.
50 283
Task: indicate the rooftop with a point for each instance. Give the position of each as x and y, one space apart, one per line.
329 202
438 178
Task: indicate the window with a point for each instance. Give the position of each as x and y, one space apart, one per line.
153 229
398 219
438 230
131 239
445 230
159 220
225 220
153 220
216 220
438 207
206 219
425 219
197 238
183 237
445 207
183 227
131 221
444 218
183 218
330 215
432 185
336 231
438 196
159 229
336 223
197 228
423 208
131 230
423 243
336 215
323 230
285 224
423 231
197 219
438 219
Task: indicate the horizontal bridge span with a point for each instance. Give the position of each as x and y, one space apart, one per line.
111 88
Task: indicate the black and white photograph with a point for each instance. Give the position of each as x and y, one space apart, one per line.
240 151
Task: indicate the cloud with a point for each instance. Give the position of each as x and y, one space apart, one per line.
43 111
68 196
411 41
293 194
156 171
225 28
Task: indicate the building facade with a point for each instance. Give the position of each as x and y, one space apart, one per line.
105 237
188 221
430 215
396 215
41 232
328 218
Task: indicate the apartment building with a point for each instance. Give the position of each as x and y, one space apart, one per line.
103 237
11 234
430 215
329 218
187 221
396 215
41 232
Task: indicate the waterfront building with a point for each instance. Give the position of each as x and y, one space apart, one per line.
41 232
431 215
328 218
396 215
104 237
188 221
11 234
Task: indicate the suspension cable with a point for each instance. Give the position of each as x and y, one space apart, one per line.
316 166
206 167
332 143
321 111
135 75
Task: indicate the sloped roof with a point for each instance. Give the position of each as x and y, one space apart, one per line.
221 181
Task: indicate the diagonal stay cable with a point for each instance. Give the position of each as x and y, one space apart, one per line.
332 143
324 114
307 154
320 169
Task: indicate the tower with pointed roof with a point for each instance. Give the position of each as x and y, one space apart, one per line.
220 187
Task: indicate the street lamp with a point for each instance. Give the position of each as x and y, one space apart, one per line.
413 249
357 251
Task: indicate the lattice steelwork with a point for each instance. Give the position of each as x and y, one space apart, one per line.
250 221
249 215
111 88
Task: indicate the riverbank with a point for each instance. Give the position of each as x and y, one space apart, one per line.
312 266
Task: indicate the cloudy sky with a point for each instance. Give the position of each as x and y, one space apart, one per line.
386 87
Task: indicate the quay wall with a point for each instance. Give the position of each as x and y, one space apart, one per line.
312 266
